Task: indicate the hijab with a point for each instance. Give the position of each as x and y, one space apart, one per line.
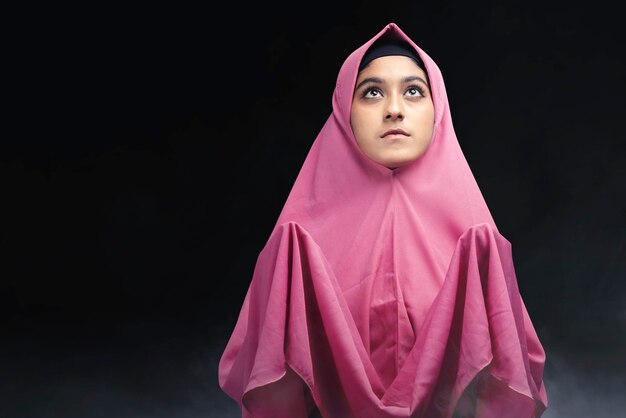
356 209
360 299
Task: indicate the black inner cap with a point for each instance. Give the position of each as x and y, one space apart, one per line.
385 47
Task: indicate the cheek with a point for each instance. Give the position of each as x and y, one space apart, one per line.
425 122
360 122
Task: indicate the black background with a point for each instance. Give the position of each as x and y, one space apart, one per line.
147 152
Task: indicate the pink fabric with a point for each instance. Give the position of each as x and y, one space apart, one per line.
384 293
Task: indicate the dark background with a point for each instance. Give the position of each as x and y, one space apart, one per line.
147 152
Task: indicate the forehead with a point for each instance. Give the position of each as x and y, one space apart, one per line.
391 66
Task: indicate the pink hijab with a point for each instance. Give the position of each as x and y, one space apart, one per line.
384 293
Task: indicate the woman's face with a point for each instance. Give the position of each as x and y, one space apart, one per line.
391 94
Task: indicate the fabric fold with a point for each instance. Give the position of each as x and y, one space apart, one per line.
301 347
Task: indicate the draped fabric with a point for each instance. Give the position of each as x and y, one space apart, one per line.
384 293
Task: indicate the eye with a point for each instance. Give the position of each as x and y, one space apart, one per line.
371 93
416 91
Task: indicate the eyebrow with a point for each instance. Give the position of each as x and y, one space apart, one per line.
378 80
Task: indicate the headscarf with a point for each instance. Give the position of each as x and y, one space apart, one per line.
354 208
380 292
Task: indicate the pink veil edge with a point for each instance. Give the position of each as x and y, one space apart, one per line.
283 241
499 388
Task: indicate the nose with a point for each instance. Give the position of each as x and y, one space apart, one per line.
394 108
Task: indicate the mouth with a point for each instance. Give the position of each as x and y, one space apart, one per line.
394 133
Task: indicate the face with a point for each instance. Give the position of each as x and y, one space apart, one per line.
392 113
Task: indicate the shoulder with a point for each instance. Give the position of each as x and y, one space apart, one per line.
289 228
287 234
485 233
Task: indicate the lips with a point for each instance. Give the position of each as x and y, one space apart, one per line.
395 131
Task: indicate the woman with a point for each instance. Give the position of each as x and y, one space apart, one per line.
385 288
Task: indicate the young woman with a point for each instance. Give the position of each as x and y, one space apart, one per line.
385 288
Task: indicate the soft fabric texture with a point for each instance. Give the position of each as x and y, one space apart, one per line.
384 293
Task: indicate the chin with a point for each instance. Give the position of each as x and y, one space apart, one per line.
398 162
394 165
